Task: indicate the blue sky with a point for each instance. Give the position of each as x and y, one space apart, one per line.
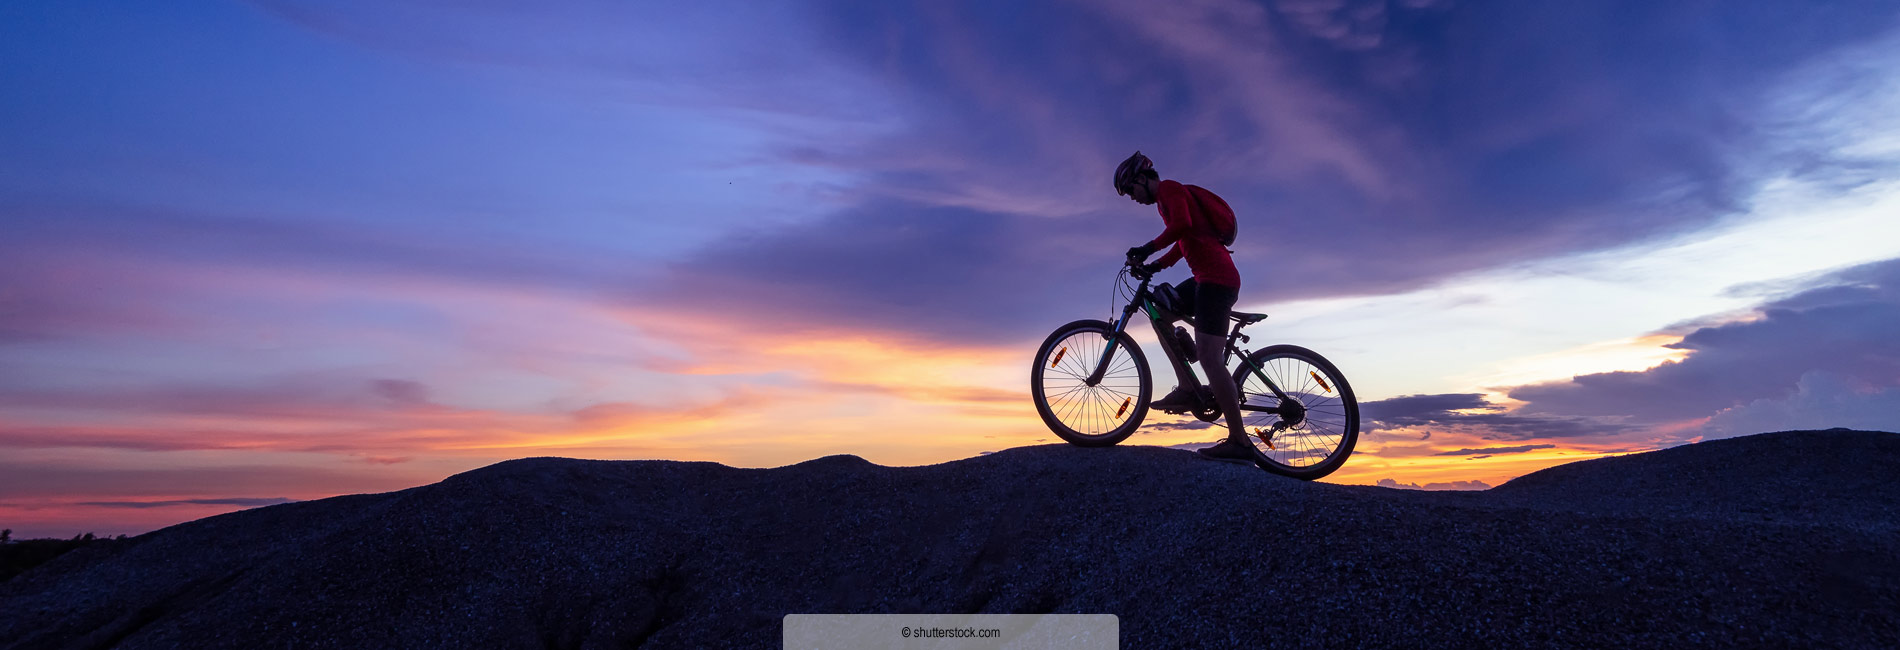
320 248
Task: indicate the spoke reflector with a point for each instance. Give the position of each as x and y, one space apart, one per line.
1059 353
1124 408
1322 382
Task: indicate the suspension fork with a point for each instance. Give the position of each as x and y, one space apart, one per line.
1101 367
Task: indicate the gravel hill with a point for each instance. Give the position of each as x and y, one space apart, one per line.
1774 540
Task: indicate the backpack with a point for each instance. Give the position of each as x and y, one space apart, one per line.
1219 216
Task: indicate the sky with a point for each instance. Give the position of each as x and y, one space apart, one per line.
253 252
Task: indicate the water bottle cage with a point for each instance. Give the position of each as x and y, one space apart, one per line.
1185 343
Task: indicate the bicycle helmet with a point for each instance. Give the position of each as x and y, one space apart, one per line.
1129 170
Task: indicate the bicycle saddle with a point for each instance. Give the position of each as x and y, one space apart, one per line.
1245 318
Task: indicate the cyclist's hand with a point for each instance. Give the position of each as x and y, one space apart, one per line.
1143 271
1139 253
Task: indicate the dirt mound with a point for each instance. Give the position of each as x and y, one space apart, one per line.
570 553
1838 476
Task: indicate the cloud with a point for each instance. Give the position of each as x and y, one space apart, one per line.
1488 451
25 482
48 293
401 392
312 395
247 502
1179 425
1354 133
46 236
1469 412
707 55
1451 485
324 413
944 274
934 201
1836 332
1818 352
1414 410
1821 400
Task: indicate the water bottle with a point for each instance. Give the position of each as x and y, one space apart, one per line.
1185 342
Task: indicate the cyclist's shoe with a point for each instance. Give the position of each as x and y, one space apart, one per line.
1180 400
1228 451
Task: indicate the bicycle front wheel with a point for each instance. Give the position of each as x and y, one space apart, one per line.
1314 429
1090 416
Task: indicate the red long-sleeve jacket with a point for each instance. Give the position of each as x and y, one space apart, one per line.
1192 238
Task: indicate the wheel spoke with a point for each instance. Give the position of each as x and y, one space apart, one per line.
1067 394
1076 408
1069 404
1328 418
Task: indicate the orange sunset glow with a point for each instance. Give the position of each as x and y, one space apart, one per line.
253 253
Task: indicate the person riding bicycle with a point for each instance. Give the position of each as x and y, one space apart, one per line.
1213 290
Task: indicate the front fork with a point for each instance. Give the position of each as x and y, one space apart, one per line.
1101 367
1180 367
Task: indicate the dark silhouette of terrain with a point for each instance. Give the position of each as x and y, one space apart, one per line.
1774 540
16 556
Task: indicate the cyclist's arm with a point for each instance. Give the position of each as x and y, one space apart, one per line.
1174 255
1175 213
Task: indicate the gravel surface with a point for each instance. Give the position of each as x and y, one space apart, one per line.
1774 540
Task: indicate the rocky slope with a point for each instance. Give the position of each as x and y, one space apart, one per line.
1775 540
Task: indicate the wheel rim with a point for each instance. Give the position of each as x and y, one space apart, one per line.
1329 419
1089 411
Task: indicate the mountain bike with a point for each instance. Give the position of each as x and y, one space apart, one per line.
1091 384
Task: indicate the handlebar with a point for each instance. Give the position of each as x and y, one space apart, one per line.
1136 269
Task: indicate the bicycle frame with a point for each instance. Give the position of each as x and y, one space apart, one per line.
1144 300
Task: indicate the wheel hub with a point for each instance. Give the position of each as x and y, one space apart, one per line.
1292 412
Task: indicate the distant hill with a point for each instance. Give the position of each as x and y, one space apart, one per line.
1774 540
1818 477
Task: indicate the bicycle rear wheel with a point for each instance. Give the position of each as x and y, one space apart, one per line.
1084 415
1323 425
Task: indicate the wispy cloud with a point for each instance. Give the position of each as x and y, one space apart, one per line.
1347 127
759 233
1838 332
1471 412
246 502
1487 451
1448 485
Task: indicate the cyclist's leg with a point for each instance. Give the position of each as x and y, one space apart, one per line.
1211 308
1186 291
1182 397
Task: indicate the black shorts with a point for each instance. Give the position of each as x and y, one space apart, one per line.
1211 303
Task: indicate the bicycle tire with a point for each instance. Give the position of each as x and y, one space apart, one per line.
1332 421
1106 413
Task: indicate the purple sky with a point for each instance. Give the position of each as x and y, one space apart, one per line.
313 248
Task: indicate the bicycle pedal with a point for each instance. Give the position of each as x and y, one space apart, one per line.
1265 436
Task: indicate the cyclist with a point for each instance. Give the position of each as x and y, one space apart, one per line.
1213 290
